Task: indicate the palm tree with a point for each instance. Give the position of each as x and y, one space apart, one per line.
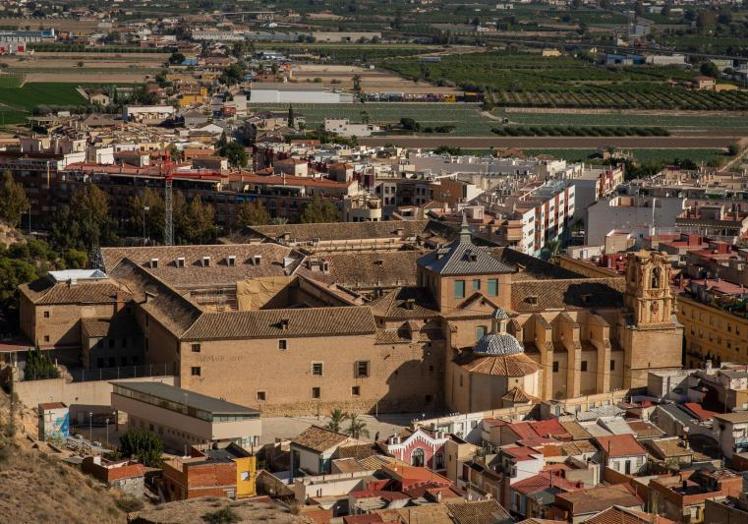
357 427
337 416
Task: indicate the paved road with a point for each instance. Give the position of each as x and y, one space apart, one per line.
664 142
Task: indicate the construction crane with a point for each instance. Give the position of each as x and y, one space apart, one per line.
167 169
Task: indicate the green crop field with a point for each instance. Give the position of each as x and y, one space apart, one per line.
625 119
31 95
465 117
527 80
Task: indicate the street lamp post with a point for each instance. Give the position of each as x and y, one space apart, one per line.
90 427
107 432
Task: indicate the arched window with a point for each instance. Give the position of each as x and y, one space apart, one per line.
417 458
655 278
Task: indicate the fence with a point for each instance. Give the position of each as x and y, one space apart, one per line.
114 373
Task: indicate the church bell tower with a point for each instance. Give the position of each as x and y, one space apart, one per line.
648 296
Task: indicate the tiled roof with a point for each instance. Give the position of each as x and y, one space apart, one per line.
119 326
336 231
542 481
539 295
284 323
319 439
217 273
621 515
175 312
577 447
576 431
46 292
644 429
498 344
362 270
517 365
620 445
478 512
665 448
404 303
516 394
699 411
598 498
462 257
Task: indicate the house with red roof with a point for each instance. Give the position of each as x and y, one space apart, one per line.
532 496
622 453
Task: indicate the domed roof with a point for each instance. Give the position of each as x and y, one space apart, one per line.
498 344
500 314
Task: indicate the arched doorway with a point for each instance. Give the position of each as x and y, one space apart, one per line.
417 458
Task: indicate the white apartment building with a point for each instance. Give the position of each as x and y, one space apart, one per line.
538 214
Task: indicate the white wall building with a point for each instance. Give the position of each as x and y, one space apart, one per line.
343 127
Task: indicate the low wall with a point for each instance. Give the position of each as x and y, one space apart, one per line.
93 395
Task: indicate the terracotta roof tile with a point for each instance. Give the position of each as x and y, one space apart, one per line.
319 439
517 365
539 295
335 231
478 512
283 323
597 499
620 445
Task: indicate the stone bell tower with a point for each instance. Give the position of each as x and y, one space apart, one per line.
648 296
651 339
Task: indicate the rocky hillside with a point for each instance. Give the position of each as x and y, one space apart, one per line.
39 487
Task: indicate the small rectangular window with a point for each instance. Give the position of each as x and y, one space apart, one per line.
316 393
196 348
555 366
317 368
356 391
46 314
362 368
459 289
261 395
283 344
612 365
476 284
493 287
196 371
180 262
46 338
584 365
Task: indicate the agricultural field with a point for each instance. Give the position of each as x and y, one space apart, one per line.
667 156
351 53
465 117
526 80
669 121
17 103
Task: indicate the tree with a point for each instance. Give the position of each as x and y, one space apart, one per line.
356 427
705 21
319 210
235 154
176 58
144 445
252 214
85 224
709 69
291 119
39 366
364 117
409 124
13 201
194 222
147 207
337 416
233 74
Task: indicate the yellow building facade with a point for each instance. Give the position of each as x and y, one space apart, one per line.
712 333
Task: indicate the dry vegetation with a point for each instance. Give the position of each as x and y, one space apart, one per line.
38 487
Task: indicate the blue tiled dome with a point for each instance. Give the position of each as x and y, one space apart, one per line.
498 344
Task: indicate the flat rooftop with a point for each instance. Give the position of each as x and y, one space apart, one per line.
184 397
